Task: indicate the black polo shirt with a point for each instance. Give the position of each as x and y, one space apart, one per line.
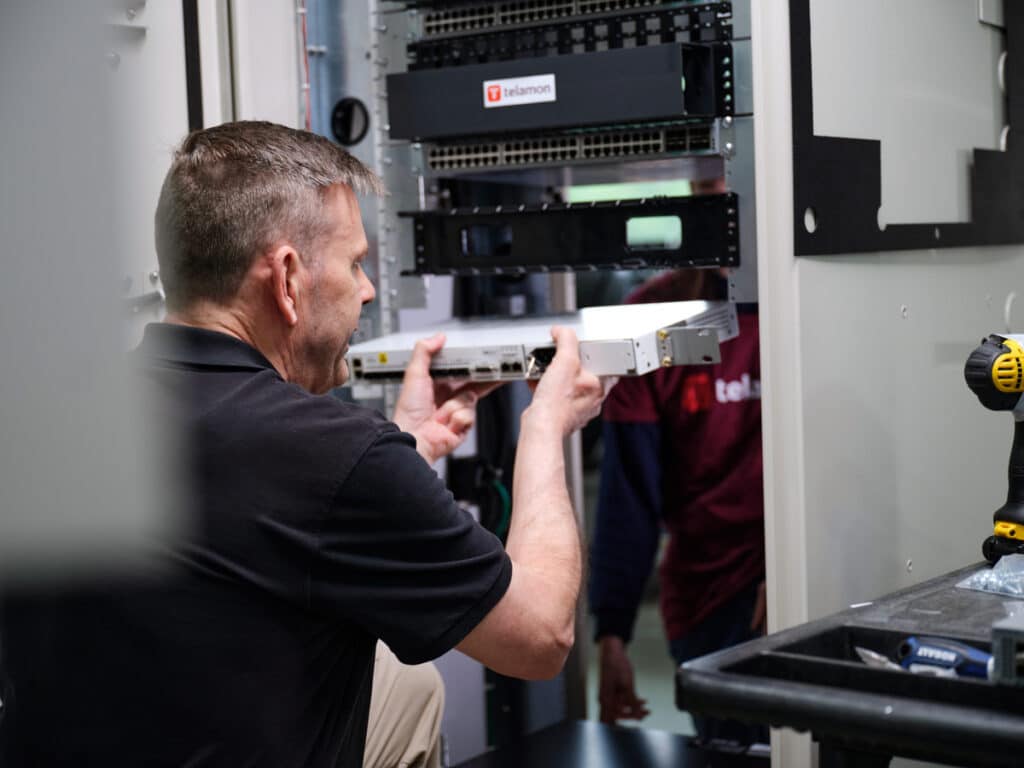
314 529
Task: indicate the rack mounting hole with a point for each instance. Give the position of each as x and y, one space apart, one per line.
810 221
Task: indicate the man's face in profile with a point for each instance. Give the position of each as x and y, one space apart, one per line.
336 289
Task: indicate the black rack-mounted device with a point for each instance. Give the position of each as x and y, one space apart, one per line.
471 39
627 85
701 231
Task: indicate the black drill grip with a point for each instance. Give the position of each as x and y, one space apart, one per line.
1013 510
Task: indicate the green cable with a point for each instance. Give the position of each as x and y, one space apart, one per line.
506 509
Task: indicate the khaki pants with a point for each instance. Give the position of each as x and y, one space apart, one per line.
406 705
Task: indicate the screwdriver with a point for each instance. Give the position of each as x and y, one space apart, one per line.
940 656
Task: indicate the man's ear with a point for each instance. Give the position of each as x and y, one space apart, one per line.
286 267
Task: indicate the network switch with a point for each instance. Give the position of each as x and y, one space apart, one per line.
626 340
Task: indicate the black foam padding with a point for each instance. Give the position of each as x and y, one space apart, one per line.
840 179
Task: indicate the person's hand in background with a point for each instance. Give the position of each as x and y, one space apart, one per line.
617 688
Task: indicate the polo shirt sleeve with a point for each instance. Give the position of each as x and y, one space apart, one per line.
401 560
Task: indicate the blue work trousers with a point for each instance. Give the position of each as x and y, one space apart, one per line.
728 625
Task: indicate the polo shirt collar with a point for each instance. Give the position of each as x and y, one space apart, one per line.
199 346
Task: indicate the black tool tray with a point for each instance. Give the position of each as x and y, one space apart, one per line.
810 678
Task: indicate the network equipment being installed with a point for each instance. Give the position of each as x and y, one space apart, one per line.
626 340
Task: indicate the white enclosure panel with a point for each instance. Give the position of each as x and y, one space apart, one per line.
782 413
150 117
903 465
266 61
77 455
876 453
919 75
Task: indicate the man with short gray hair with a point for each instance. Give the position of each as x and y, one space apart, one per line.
317 527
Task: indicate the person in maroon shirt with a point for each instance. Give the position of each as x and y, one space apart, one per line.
682 451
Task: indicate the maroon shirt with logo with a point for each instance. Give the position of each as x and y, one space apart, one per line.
683 450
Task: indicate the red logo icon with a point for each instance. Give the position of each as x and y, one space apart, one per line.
697 393
494 93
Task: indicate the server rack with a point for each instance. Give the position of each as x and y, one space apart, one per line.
603 92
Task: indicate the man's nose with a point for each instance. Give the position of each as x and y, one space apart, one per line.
369 292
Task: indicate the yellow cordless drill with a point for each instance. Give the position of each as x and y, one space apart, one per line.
995 373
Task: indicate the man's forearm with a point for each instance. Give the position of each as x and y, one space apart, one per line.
543 539
530 631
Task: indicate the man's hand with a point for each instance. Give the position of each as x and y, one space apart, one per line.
617 691
437 414
567 395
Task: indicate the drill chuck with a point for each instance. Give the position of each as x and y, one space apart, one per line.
995 372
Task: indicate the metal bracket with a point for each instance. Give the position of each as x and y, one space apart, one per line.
990 12
136 304
123 17
1007 645
688 346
